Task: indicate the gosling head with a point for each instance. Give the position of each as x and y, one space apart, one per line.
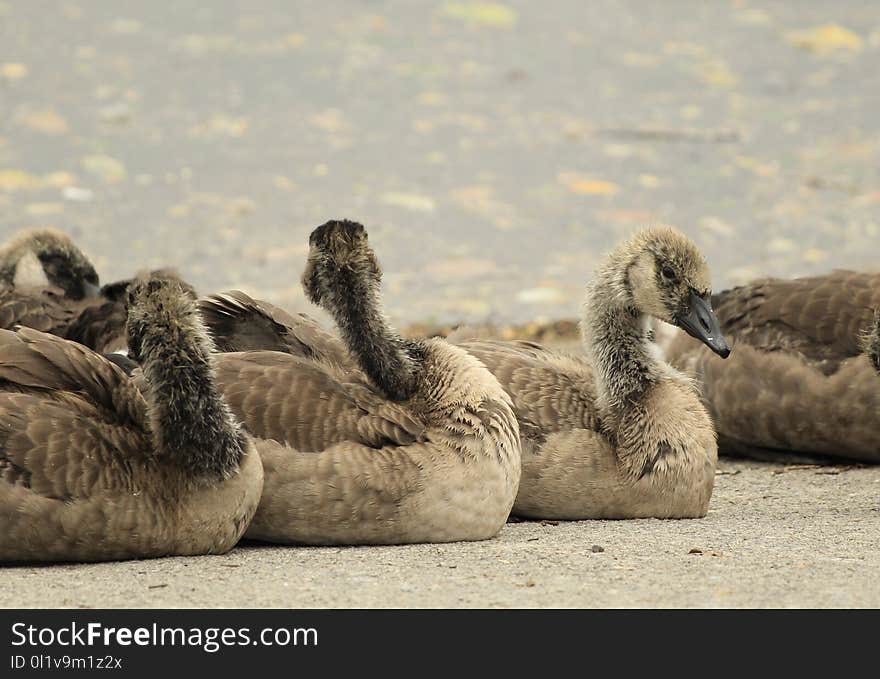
667 278
159 307
48 257
118 290
339 254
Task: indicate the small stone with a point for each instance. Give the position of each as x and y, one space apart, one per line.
490 14
432 99
584 185
597 549
283 183
105 167
44 209
717 226
15 180
826 38
640 60
115 113
814 255
44 122
618 150
221 125
649 181
59 180
410 201
125 26
459 268
295 40
241 206
13 71
542 295
178 211
75 194
781 245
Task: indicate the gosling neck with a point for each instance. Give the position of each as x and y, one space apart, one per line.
392 363
189 418
616 339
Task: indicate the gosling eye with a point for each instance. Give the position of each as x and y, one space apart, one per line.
668 273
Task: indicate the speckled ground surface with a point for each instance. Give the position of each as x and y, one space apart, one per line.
773 538
493 151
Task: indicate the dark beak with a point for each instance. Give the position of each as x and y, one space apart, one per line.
700 321
90 290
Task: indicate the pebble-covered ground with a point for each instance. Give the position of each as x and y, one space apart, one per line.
775 536
494 151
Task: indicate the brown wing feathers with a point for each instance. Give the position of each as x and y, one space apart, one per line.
240 323
65 417
44 310
307 405
551 392
821 318
41 361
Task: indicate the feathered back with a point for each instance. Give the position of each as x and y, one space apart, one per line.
820 318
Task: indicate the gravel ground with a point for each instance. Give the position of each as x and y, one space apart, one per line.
493 150
773 538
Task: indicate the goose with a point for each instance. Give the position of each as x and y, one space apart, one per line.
97 466
399 442
48 284
803 381
47 258
616 433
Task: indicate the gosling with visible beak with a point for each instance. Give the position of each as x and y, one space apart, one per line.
617 433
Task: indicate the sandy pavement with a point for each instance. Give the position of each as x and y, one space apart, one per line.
773 538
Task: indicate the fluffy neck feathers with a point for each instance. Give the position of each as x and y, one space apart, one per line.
615 337
390 362
189 417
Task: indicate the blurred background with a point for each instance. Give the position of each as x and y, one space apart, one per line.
493 150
